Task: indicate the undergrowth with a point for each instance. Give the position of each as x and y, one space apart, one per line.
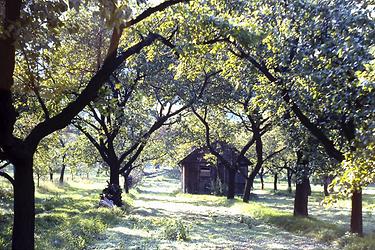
309 226
66 218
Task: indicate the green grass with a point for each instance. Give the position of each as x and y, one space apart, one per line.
67 217
310 226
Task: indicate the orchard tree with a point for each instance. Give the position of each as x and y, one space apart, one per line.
310 55
17 20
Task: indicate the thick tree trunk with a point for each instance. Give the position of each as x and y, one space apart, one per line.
114 177
24 206
62 172
301 197
114 185
231 183
275 182
356 225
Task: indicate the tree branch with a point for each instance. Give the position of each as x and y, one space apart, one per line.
62 119
8 177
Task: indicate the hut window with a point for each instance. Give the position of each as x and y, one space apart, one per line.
205 172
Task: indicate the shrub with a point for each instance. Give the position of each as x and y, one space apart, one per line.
175 230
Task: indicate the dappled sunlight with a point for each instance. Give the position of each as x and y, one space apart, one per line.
212 222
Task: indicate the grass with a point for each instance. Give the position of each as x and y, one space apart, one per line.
67 217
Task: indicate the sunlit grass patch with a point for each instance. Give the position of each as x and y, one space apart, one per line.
310 226
202 199
67 216
50 188
353 242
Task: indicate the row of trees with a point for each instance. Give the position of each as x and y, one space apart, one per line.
284 81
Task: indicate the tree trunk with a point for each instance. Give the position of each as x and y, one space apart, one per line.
38 179
126 184
261 175
275 182
24 205
114 177
231 183
258 166
50 174
62 172
326 182
114 185
356 225
301 197
246 193
308 187
289 176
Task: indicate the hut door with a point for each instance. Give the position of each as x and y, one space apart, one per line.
205 179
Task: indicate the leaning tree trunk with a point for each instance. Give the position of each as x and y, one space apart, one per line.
258 166
275 182
356 225
24 205
301 198
231 183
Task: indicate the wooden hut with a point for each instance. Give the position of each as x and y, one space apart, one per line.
199 176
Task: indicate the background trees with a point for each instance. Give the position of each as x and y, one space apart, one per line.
304 66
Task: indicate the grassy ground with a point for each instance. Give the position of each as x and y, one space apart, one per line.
67 217
163 218
339 213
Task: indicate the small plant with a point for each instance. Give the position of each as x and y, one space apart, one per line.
218 187
175 230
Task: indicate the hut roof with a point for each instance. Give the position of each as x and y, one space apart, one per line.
225 148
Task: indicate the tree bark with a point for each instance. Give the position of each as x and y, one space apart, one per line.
114 177
326 182
258 166
231 183
301 198
275 182
38 179
24 205
356 225
308 187
261 175
246 192
289 176
62 172
50 174
126 184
